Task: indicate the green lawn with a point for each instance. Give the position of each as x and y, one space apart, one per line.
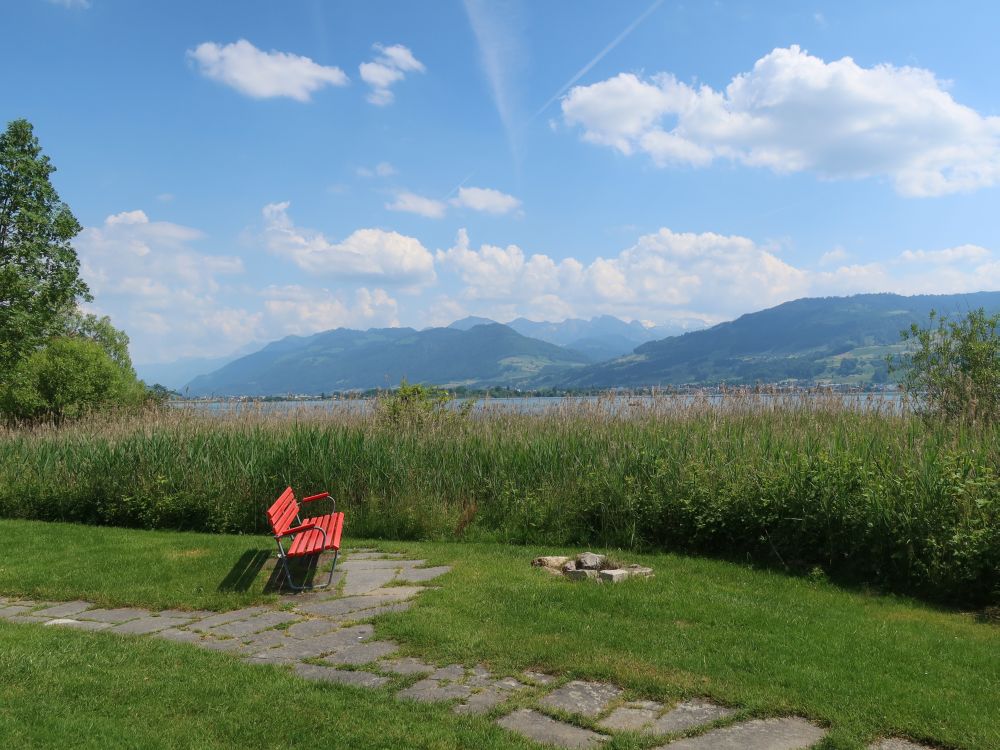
865 665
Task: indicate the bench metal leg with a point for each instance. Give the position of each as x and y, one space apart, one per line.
288 573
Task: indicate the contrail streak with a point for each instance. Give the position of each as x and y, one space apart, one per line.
600 55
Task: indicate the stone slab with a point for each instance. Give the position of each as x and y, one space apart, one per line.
14 610
369 614
353 564
540 728
320 645
628 719
582 575
217 644
897 743
418 575
65 622
311 628
340 676
483 701
613 576
30 619
374 555
538 678
688 714
239 628
428 690
362 653
585 698
179 636
146 625
451 672
266 639
223 617
406 666
790 733
66 609
344 606
113 616
182 614
363 580
398 593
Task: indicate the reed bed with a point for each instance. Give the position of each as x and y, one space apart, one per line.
858 490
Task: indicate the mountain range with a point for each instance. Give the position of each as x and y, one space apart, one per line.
829 339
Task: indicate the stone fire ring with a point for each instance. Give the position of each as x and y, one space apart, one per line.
590 566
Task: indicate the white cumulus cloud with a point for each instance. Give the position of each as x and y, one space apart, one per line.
795 112
264 75
366 253
417 204
389 67
485 199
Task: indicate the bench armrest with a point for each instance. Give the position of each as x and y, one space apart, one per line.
321 496
295 530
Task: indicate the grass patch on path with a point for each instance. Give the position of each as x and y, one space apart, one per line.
866 665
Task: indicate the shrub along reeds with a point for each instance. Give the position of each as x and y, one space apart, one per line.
861 492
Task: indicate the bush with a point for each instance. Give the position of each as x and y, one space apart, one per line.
67 379
955 370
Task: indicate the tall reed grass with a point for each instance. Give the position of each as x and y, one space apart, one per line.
864 491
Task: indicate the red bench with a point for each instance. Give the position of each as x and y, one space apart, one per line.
313 536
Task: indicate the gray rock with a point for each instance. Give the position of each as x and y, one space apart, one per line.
582 575
569 566
550 561
688 714
613 576
791 733
585 698
540 728
590 561
339 676
639 571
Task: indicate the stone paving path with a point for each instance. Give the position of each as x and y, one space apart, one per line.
325 636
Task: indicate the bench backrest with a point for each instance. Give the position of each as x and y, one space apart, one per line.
283 513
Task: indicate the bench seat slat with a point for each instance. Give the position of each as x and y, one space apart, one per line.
311 542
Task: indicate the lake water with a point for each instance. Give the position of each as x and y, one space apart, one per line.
888 402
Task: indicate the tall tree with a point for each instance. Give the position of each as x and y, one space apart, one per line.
39 269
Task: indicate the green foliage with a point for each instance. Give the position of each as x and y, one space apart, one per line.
39 270
68 378
875 498
417 405
955 369
100 330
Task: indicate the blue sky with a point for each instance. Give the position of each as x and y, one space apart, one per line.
247 170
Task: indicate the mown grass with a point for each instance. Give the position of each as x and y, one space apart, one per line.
62 688
866 665
863 494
